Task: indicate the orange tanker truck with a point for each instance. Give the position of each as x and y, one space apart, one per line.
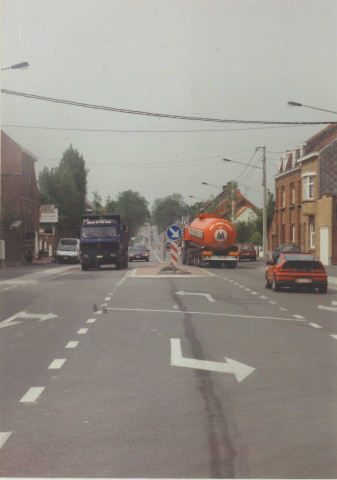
210 239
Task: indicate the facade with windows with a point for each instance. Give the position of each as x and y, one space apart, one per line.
19 202
306 193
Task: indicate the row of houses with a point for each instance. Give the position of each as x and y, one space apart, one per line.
306 197
27 229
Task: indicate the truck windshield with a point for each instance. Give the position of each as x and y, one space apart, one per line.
99 231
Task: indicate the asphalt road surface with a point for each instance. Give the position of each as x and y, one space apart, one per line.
132 374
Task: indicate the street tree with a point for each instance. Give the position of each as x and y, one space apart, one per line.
133 209
167 211
65 186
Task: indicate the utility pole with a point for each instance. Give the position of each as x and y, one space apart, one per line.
264 214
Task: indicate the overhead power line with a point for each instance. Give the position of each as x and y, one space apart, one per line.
151 114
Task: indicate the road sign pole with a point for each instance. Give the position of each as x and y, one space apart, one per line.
174 254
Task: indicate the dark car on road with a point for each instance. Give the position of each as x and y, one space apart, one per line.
139 252
296 270
247 252
286 248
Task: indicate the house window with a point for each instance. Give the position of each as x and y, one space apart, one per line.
292 232
308 187
283 197
292 194
311 232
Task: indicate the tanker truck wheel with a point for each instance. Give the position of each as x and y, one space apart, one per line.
197 261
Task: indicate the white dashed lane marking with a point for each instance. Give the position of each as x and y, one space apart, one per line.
71 344
83 331
315 325
4 436
57 363
32 395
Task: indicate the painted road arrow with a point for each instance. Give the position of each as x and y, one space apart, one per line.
207 295
331 309
41 317
240 370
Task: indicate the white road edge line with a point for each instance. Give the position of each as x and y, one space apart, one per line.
4 436
211 314
32 395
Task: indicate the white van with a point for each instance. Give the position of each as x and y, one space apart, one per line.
68 250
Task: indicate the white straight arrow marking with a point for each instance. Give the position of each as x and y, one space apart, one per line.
9 321
240 370
331 309
207 295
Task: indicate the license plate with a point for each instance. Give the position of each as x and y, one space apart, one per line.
303 280
99 256
66 258
138 256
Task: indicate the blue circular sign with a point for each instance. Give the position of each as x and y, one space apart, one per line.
173 232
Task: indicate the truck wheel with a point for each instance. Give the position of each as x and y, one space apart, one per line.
196 261
85 266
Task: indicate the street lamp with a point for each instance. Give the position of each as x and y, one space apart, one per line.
198 198
296 104
264 183
210 184
20 66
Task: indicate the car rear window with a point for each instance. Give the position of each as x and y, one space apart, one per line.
300 257
303 265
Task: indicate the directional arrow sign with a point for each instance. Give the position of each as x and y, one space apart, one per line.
41 317
240 370
173 232
207 295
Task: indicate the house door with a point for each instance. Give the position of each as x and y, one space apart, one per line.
324 245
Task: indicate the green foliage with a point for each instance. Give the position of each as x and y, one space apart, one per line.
256 238
110 205
167 211
97 203
65 187
133 209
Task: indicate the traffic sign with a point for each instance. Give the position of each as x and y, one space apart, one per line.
173 232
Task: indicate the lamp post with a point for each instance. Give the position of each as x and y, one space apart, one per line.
19 66
296 104
264 211
211 185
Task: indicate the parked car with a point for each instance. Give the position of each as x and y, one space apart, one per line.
286 248
296 270
139 252
68 250
247 252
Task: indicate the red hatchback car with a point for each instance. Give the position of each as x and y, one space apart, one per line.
296 270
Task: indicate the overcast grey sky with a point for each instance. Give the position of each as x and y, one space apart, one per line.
228 59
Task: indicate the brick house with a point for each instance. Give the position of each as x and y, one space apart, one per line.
19 201
306 193
234 204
